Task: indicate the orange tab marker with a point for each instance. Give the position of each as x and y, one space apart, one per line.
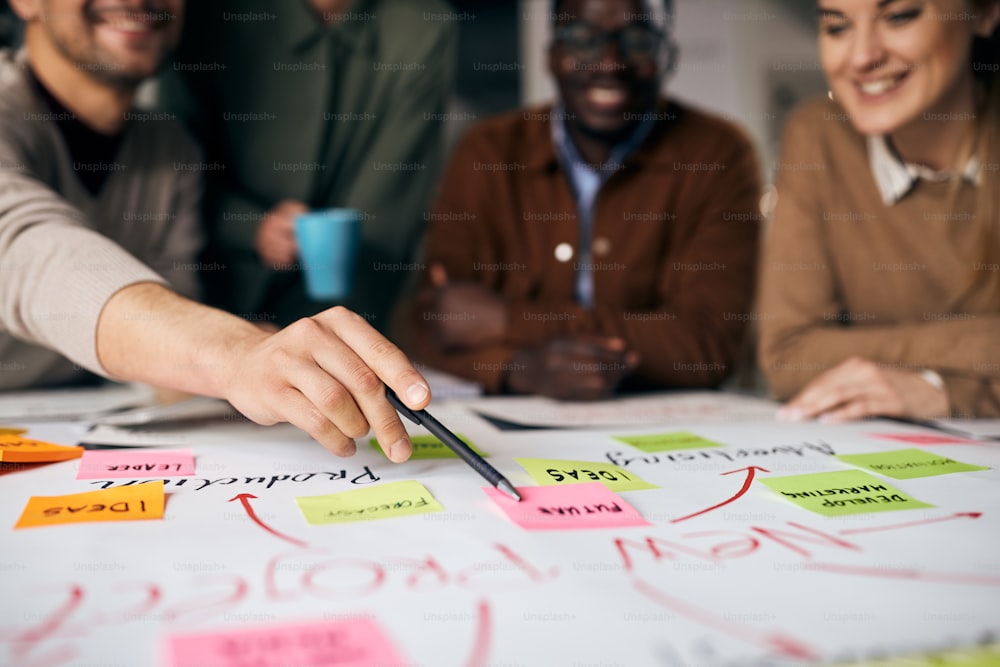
122 503
15 449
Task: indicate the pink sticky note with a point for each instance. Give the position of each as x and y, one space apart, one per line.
136 463
567 507
919 439
355 642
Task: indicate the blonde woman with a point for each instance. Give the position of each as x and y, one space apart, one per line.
880 292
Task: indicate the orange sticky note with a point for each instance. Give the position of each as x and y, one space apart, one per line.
15 449
122 503
12 430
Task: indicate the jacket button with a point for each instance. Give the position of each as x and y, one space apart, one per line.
601 246
564 252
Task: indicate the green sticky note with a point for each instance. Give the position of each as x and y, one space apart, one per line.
976 656
430 447
666 442
842 493
551 472
908 463
384 501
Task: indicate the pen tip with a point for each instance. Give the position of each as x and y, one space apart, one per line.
509 489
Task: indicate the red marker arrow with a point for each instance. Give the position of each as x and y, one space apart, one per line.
746 487
960 515
918 575
244 499
781 644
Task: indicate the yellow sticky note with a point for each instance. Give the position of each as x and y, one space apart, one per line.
667 442
842 493
430 447
12 430
384 501
15 449
908 463
120 503
549 472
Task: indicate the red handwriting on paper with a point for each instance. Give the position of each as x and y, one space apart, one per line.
910 524
484 632
743 489
787 647
737 544
244 499
24 642
916 575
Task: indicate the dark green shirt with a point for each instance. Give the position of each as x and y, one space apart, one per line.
345 115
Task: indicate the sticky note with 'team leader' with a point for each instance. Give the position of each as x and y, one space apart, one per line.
666 442
120 503
136 463
15 449
430 447
842 493
384 501
567 507
908 463
549 472
924 439
357 642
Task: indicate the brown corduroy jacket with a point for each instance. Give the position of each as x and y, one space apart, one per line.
674 247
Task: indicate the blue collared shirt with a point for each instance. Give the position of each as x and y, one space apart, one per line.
586 182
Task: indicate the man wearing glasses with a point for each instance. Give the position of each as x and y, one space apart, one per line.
606 242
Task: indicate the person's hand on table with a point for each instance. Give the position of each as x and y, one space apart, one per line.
580 368
325 375
859 388
275 239
463 315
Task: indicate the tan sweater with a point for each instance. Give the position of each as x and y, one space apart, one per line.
844 275
58 262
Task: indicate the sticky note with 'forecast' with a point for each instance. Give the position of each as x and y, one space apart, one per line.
385 501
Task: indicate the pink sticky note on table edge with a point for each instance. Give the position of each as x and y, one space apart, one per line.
95 463
921 439
356 642
567 507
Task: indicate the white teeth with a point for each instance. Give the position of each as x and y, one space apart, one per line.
606 95
879 87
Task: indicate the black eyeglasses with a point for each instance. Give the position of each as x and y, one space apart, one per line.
636 42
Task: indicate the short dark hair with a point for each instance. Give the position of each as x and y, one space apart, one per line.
666 6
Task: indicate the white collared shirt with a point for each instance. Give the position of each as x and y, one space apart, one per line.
895 178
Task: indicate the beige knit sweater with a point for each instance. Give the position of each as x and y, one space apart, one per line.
63 252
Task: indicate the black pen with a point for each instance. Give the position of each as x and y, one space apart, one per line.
478 463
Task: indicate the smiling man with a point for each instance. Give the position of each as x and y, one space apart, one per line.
606 241
99 234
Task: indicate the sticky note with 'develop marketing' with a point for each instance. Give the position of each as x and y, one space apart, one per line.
567 507
908 463
120 503
666 442
384 501
136 463
549 472
355 642
15 449
842 493
430 447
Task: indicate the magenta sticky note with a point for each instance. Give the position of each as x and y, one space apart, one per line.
135 463
567 507
357 642
920 439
